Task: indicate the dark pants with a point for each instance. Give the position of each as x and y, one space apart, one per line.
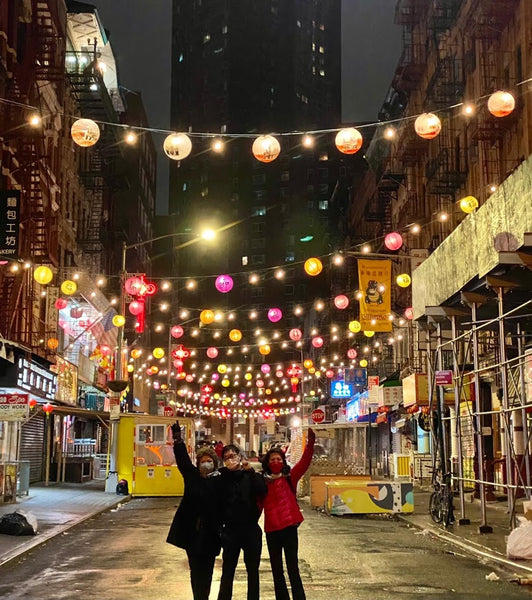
250 541
285 539
201 568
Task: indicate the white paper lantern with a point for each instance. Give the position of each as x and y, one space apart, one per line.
501 104
348 140
427 126
85 132
266 148
177 146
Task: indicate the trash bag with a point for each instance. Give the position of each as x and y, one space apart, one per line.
519 544
18 523
122 488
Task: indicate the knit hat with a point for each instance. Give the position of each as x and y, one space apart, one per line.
207 450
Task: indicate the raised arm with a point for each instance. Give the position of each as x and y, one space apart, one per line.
184 464
299 469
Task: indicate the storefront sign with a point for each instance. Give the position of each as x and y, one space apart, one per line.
13 407
9 222
67 381
359 377
36 379
390 396
373 389
444 377
341 389
375 300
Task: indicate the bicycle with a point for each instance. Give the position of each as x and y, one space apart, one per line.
441 505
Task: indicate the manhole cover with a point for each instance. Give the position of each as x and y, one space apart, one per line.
417 589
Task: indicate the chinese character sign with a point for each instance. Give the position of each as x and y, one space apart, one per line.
375 278
9 222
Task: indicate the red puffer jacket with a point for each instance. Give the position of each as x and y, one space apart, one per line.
280 505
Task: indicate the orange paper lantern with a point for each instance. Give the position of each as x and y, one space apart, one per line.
427 126
501 104
349 140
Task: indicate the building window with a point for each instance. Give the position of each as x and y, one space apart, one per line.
310 204
244 261
298 23
290 257
258 227
285 192
285 175
206 38
324 174
322 50
322 72
258 259
258 243
291 240
324 188
323 204
223 129
259 195
180 59
184 187
235 196
258 211
289 290
259 179
224 29
310 189
257 292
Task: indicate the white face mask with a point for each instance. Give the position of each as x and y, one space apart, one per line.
232 463
207 466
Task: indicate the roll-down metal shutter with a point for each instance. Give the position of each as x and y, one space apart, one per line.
32 446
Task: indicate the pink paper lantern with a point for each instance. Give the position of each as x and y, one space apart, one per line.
177 331
279 373
329 373
265 368
215 376
275 314
351 353
409 313
224 283
61 303
136 308
317 342
178 364
259 383
212 352
295 334
341 302
393 241
189 378
242 395
132 285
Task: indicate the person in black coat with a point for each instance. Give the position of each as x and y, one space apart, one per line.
196 524
241 489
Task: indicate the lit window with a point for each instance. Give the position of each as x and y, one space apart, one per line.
322 50
224 29
313 47
285 175
184 187
322 72
298 23
181 57
244 261
323 204
258 259
258 211
206 38
290 257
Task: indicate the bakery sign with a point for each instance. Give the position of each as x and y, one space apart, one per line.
13 407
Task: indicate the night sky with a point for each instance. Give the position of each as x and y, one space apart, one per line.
141 39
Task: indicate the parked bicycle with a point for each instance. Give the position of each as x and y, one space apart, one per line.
441 505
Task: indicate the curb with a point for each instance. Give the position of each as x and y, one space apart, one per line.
40 539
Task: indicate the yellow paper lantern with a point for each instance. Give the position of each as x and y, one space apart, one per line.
158 352
403 280
135 353
69 287
53 343
427 126
222 368
264 349
177 146
130 368
363 363
501 104
308 364
266 148
118 320
207 317
85 132
248 376
43 275
235 335
369 333
468 204
348 140
354 326
312 370
225 382
313 266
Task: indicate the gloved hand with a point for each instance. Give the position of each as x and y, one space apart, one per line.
176 432
311 436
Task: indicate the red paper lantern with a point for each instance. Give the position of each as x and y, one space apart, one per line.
47 408
177 331
317 342
136 307
32 403
351 353
61 303
212 352
295 334
105 350
341 302
393 241
329 373
409 313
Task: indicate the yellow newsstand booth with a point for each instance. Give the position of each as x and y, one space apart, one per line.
145 455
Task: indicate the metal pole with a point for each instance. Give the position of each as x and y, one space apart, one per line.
48 457
457 390
441 406
484 527
526 444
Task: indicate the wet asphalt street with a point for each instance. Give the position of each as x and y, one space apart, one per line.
122 555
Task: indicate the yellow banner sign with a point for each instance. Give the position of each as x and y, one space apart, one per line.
375 278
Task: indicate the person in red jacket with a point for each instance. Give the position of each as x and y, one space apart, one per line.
282 517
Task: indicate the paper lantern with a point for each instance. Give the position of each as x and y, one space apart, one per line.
264 349
32 403
409 313
354 326
329 373
158 353
313 266
105 350
248 376
393 241
133 285
348 140
363 363
130 368
85 132
135 353
351 353
235 335
69 287
265 369
295 334
369 333
43 275
47 408
468 204
259 383
317 342
222 368
266 148
308 364
341 302
53 343
119 320
226 382
224 283
427 126
279 373
275 315
136 308
60 303
176 331
189 378
177 146
501 104
403 280
212 352
207 317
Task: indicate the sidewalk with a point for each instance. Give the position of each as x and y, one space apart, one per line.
57 509
60 507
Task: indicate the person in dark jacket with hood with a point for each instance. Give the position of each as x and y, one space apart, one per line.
196 524
241 489
282 517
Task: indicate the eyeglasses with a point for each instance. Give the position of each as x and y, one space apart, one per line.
226 456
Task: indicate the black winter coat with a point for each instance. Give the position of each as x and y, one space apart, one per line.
240 494
196 524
